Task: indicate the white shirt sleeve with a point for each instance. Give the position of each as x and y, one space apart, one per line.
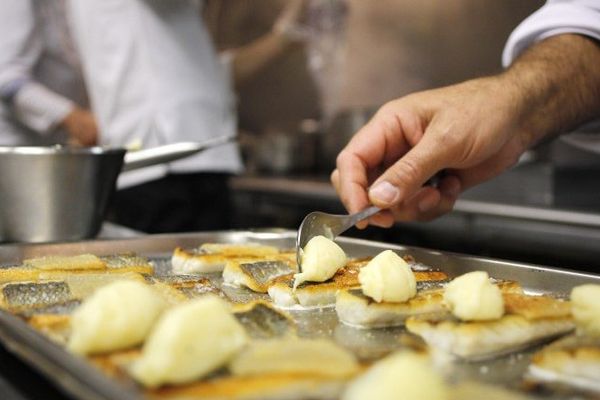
33 104
554 18
39 108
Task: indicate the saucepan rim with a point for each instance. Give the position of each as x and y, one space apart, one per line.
59 149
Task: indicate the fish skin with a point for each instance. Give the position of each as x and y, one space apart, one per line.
262 321
30 294
265 271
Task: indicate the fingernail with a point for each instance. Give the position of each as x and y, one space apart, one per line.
384 192
427 203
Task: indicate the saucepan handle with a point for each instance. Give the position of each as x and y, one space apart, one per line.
170 152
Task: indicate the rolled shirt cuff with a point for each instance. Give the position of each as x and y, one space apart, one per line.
39 108
556 17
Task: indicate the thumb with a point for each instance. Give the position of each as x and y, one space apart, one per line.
405 177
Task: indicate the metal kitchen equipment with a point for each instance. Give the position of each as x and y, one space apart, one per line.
82 380
282 152
339 132
61 193
329 225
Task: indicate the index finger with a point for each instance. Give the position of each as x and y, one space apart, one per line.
371 148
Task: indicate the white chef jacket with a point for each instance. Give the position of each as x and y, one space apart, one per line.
39 72
554 18
153 77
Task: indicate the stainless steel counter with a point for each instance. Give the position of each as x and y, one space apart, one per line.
323 191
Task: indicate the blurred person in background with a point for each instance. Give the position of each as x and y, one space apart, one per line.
42 93
475 130
155 78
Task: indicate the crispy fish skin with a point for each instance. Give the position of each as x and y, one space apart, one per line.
244 249
535 307
257 275
23 295
182 287
213 257
487 339
82 261
117 264
144 269
262 321
56 326
573 361
355 309
188 262
288 386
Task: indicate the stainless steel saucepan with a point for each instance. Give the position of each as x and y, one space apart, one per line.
60 193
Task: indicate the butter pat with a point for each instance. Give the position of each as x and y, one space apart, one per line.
472 297
387 277
402 375
116 316
321 258
585 306
189 341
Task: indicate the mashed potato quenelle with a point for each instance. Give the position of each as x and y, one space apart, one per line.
402 375
472 297
189 341
321 258
387 277
116 316
585 306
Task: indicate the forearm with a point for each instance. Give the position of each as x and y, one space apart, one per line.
252 58
555 86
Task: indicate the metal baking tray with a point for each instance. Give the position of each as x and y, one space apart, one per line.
82 380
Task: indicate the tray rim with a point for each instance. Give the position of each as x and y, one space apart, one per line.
267 233
81 379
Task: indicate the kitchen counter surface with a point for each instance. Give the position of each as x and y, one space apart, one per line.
321 190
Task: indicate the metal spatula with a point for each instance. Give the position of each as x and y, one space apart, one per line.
329 225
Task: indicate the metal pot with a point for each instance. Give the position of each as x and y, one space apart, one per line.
62 193
339 132
281 152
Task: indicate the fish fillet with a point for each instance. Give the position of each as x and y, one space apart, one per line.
487 339
323 294
573 361
212 257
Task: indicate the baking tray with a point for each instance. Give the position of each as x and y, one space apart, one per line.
82 380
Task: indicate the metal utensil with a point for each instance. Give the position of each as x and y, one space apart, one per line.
50 194
329 225
169 152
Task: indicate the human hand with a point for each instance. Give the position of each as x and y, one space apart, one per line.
287 23
81 127
471 131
